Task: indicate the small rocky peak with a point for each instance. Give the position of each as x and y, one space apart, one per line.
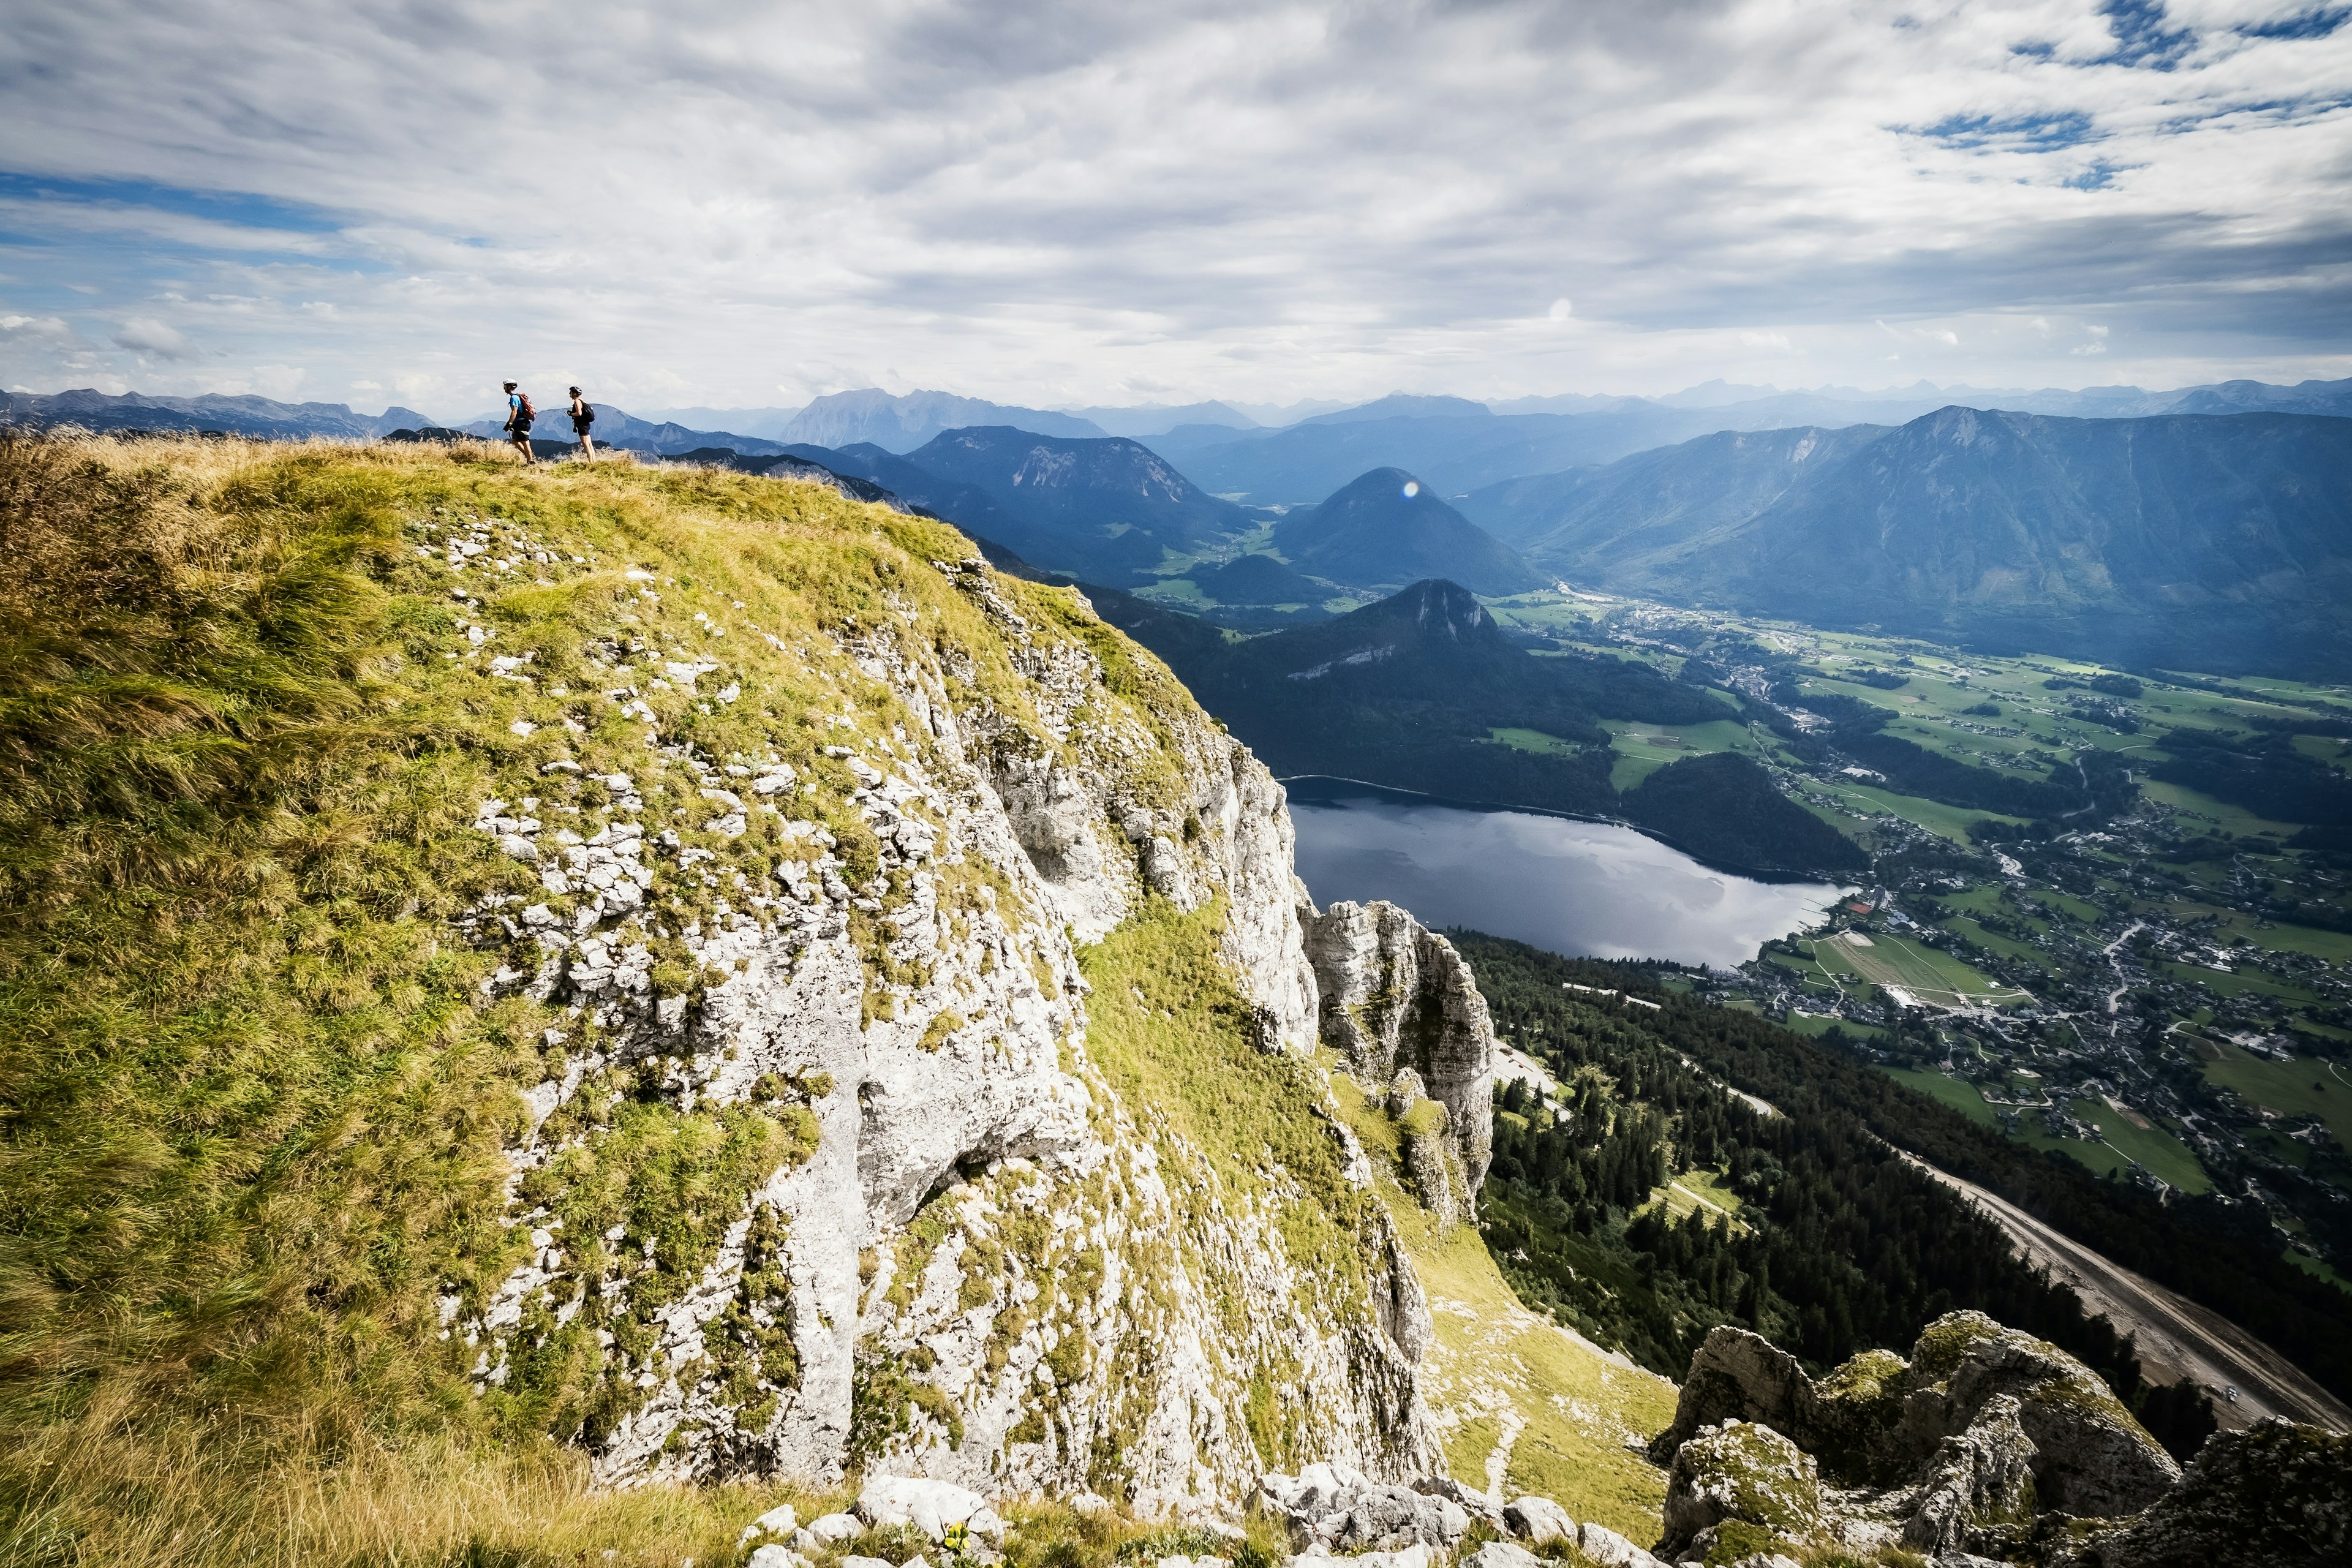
1975 1444
1396 1000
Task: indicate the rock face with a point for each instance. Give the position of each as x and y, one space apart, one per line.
1395 998
1740 1473
1954 1450
973 1262
2276 1496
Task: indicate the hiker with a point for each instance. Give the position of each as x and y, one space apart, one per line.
519 415
583 416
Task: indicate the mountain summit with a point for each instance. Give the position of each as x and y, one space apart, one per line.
1386 527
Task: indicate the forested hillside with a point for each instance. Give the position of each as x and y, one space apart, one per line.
1853 1243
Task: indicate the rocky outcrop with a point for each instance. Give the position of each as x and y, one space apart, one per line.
1740 1474
973 1261
1396 997
1332 1510
1975 1444
1879 1419
2273 1496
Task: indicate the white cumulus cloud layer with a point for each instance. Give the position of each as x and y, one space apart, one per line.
1061 204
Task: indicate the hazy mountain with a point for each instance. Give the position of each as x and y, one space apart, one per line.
1459 451
1404 405
1602 522
1276 415
1106 509
1157 420
903 424
2218 543
239 416
1387 526
766 423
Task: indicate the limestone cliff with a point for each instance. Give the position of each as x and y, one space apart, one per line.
1396 999
998 1243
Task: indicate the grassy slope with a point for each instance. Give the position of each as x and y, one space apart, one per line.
255 1103
1558 1409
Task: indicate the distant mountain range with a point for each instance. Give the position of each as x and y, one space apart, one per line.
1460 445
904 423
235 415
2198 541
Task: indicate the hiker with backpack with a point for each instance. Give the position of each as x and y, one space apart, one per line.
583 416
520 416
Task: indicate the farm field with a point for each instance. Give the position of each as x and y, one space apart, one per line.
2303 1086
1643 749
1931 978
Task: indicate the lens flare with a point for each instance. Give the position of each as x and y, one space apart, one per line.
1412 487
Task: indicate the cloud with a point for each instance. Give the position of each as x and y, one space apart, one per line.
147 336
52 329
1053 201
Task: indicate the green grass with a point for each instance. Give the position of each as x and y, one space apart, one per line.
1643 749
2306 1086
1994 942
1813 1026
1534 740
2203 811
1962 1096
2237 983
1576 1408
2151 1146
1932 978
1950 821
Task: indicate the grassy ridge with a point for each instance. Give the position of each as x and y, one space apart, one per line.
255 1103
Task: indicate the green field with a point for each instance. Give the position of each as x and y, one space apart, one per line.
1932 979
1643 749
2203 809
2237 984
2151 1146
1951 821
1534 740
2303 1086
1993 942
1964 1097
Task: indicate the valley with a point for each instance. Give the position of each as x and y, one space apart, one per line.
2151 980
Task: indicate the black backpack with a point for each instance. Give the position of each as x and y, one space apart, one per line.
587 414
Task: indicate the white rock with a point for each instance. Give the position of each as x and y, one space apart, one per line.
1089 1503
774 1556
930 1506
1539 1519
1610 1550
833 1529
1413 1556
523 727
1500 1554
780 1519
854 1561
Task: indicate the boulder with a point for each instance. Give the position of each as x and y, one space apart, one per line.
1737 1375
1346 1512
1500 1554
833 1529
1742 1473
930 1506
854 1561
780 1521
1478 1505
774 1556
2093 1458
1537 1519
1610 1550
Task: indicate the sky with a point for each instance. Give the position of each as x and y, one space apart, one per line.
737 204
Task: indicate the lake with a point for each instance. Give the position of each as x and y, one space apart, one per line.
1583 888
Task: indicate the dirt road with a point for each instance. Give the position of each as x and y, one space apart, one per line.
2177 1338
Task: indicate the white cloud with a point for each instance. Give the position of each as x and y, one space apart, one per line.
1057 201
146 335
